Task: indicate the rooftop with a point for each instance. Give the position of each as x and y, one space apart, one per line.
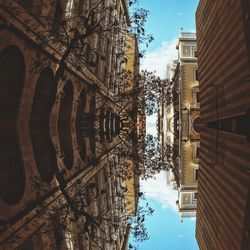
187 34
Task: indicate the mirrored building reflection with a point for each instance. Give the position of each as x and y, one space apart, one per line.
60 181
183 123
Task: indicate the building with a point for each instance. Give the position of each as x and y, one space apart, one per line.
183 123
61 123
223 52
133 122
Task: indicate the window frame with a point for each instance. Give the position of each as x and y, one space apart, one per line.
196 174
196 75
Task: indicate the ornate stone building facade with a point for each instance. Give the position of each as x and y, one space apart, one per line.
182 122
60 124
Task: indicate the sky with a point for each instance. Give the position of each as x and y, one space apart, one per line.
164 23
164 227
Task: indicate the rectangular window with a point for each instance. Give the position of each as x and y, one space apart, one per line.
186 51
194 51
197 96
195 195
196 75
69 8
197 152
196 174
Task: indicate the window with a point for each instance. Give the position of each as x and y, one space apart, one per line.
195 195
196 174
186 51
196 75
69 240
69 8
197 96
197 125
194 51
197 152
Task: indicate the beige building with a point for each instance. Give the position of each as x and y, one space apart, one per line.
137 122
183 123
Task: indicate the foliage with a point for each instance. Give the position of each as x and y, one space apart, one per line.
83 37
76 216
148 156
148 89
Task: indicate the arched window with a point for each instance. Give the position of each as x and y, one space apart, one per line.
197 125
64 124
44 151
12 173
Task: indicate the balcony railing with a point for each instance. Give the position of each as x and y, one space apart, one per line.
188 35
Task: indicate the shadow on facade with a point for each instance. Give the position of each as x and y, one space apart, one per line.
12 75
44 152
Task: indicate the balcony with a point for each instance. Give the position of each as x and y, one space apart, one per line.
188 35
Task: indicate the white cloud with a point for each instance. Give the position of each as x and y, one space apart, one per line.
158 59
151 125
158 190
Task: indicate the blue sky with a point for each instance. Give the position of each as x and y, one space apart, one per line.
164 23
167 232
165 20
167 17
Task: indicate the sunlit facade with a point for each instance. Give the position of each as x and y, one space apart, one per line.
183 123
132 66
